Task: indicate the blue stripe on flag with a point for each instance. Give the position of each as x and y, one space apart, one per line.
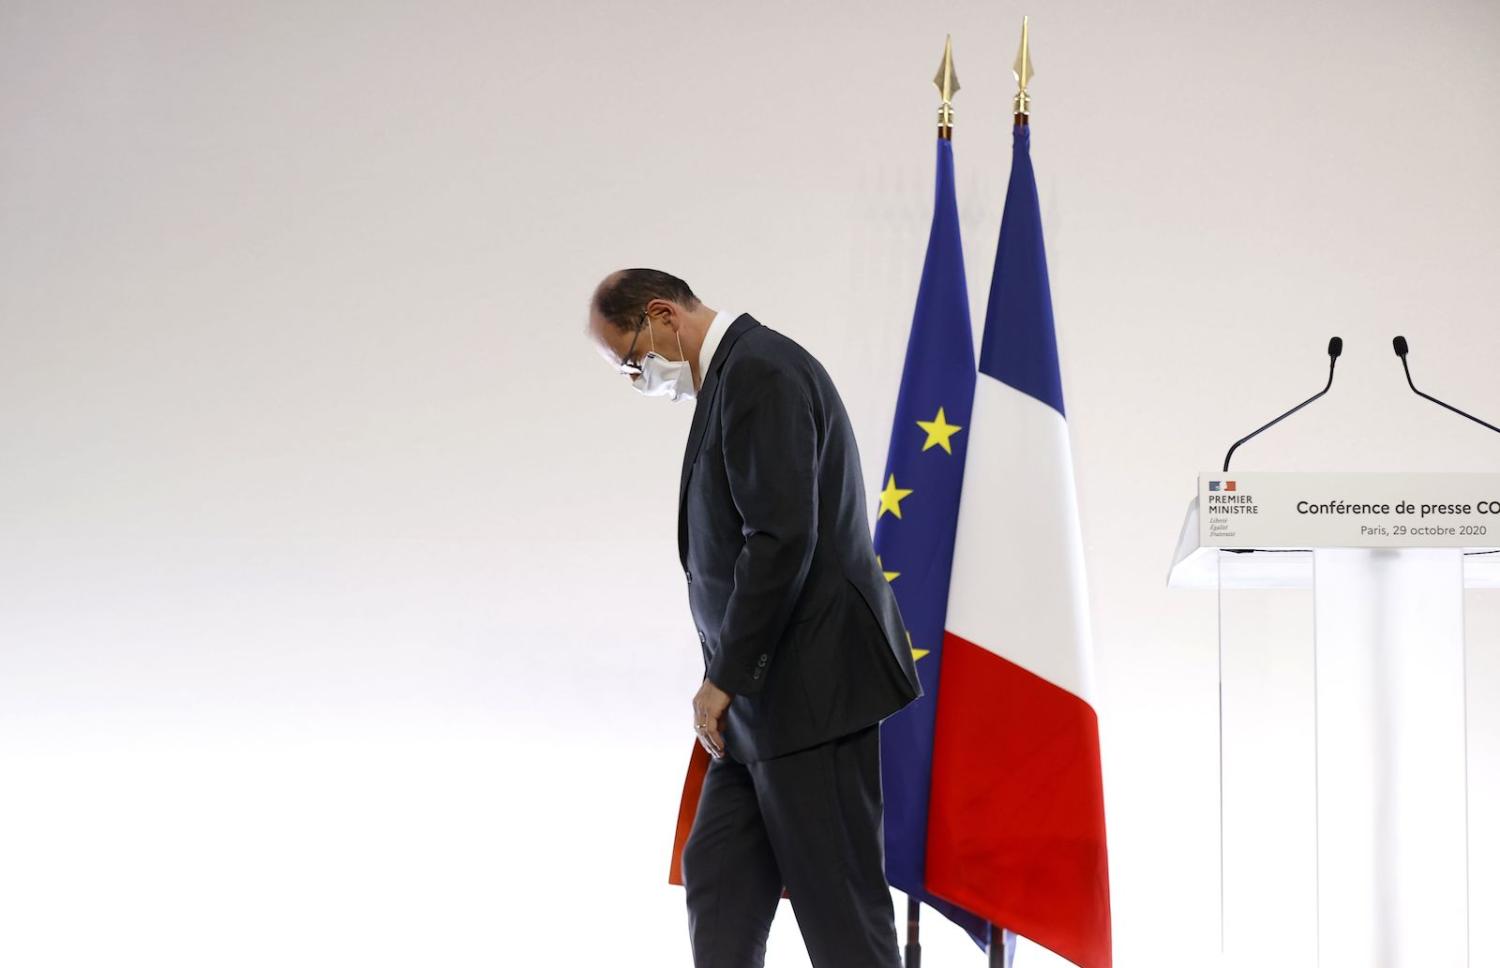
1020 345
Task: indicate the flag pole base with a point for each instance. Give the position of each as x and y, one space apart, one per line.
1002 947
913 954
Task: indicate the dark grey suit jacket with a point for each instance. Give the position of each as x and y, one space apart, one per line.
793 611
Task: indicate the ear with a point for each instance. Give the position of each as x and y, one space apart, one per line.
665 312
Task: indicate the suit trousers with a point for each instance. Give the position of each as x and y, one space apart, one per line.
809 820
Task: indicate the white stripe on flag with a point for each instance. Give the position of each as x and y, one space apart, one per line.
1019 588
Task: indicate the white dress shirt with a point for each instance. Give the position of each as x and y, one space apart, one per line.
716 331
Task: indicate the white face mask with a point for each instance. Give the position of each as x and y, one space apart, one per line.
661 377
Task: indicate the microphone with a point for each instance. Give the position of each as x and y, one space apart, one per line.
1401 349
1335 350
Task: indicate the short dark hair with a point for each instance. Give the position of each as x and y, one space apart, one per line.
623 296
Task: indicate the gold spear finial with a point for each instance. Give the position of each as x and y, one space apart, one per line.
947 83
1023 73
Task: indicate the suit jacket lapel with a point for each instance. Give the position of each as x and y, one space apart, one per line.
701 409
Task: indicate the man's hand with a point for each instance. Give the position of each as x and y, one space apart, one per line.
709 707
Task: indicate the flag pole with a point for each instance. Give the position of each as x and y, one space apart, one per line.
947 85
1023 72
912 957
1002 942
1002 947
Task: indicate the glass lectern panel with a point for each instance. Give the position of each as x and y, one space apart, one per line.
1268 765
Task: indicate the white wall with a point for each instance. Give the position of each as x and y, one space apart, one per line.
340 620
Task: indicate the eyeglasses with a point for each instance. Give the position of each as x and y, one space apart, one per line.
627 367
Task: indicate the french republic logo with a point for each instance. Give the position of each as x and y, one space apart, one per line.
1221 485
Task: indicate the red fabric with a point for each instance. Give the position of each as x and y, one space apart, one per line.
692 788
1015 831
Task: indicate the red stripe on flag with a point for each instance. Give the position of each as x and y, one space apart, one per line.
1016 828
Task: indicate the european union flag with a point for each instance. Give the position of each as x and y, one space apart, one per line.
915 526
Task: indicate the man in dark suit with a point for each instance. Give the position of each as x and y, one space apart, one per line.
804 651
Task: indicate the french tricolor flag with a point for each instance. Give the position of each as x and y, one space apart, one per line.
1016 825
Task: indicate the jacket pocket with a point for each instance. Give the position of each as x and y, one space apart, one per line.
902 674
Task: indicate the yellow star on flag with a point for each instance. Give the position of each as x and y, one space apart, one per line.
939 432
891 498
916 653
889 575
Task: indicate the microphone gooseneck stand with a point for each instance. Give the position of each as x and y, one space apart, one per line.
1335 350
1401 350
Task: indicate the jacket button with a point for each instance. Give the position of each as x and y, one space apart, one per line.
761 660
689 577
702 638
755 674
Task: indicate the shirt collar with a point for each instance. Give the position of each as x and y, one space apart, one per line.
711 339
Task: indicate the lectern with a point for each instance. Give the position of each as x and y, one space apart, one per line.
1386 557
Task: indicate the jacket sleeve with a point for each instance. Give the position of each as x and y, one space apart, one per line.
770 444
